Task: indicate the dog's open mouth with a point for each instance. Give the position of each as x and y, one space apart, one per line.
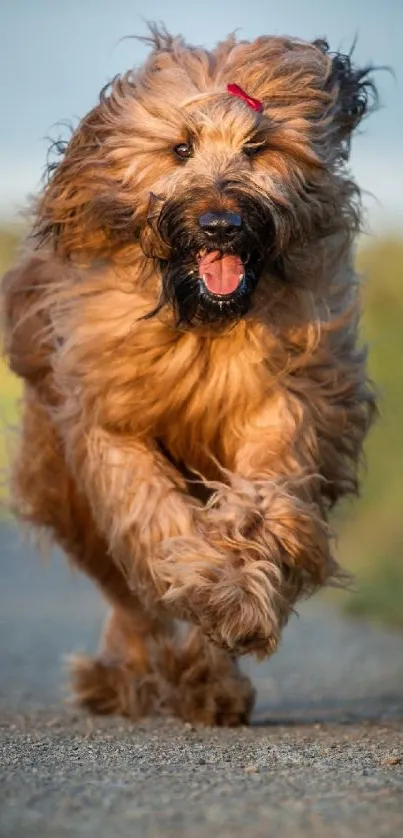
221 273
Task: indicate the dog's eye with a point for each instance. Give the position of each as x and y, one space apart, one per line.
183 150
252 149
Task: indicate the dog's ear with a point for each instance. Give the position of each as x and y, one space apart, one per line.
353 93
87 203
63 217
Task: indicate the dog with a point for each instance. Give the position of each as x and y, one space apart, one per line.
184 316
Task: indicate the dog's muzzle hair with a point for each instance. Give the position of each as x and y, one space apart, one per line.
197 235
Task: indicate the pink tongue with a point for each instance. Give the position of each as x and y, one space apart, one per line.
221 274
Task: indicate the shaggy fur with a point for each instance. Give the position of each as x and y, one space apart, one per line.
185 448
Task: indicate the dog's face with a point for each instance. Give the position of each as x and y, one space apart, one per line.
216 188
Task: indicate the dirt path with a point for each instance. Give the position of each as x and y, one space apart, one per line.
324 756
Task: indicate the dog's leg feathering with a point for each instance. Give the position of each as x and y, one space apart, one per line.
205 684
189 678
274 531
121 679
156 531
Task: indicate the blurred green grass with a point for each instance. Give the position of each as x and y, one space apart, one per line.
371 542
9 385
371 530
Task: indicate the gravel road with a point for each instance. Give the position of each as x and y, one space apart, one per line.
323 757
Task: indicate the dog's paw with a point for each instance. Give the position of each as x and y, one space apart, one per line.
224 701
204 683
235 599
243 610
102 687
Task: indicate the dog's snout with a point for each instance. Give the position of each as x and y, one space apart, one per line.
220 225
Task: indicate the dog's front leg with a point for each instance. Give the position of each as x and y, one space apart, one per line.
155 530
276 533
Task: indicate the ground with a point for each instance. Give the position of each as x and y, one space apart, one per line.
323 757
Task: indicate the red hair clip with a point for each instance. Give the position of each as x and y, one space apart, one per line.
235 90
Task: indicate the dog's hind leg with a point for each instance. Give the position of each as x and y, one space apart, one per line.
192 679
204 684
122 678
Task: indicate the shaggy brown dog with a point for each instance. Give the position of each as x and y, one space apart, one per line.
185 321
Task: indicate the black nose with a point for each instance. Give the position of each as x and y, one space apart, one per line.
220 225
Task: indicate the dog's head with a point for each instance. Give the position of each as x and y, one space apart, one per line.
219 165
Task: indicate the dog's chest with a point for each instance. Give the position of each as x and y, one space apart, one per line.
209 392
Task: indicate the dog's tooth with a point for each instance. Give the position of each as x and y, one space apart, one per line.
241 276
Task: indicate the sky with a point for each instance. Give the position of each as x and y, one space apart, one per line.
56 55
